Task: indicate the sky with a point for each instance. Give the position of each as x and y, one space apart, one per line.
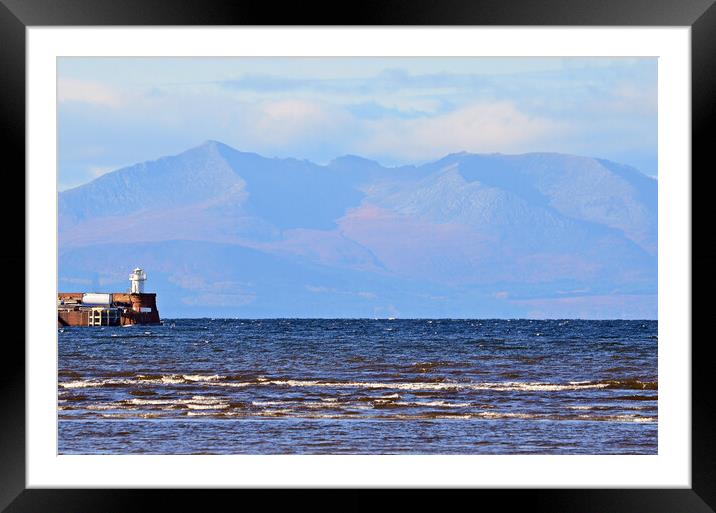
114 112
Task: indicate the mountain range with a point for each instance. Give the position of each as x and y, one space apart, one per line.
223 232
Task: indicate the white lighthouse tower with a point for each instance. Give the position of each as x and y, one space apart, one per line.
137 278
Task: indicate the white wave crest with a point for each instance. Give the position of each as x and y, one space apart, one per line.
268 403
218 380
201 377
217 406
196 402
505 415
440 404
151 402
497 386
80 384
620 418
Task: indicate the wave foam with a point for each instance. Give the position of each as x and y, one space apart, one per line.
440 404
200 377
223 381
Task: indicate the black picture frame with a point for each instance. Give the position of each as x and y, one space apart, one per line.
700 15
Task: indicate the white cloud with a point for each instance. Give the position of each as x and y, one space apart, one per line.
410 104
84 91
479 127
629 99
288 121
96 171
127 111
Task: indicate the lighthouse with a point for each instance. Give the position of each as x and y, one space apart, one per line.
109 308
137 278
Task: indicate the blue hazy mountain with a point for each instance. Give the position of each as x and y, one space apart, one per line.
229 233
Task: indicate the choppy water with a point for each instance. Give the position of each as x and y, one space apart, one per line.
227 386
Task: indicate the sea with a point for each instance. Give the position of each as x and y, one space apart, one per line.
363 386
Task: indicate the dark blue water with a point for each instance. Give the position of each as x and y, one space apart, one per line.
227 386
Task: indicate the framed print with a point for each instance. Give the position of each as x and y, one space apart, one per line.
447 250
